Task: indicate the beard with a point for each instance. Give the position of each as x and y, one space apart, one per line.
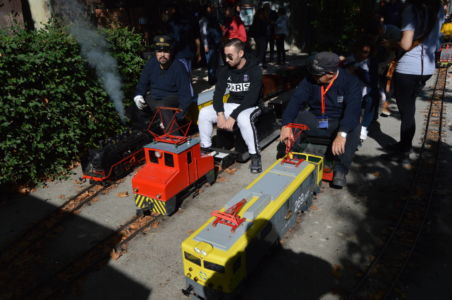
163 60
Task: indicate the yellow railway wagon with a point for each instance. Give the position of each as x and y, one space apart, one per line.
220 255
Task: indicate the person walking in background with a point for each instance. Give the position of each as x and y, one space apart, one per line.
363 66
211 39
233 27
259 33
271 16
281 32
180 27
421 23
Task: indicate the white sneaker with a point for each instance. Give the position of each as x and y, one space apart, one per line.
364 132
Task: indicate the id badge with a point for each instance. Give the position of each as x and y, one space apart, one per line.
323 122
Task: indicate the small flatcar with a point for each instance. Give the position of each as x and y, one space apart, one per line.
219 256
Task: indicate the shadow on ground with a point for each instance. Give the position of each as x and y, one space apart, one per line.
382 187
23 273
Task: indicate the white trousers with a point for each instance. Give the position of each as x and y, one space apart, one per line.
245 122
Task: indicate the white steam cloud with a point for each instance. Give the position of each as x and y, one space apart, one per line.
94 48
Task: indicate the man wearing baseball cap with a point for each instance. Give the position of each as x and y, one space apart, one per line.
328 101
163 82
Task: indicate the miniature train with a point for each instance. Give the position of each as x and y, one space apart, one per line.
117 157
223 251
445 55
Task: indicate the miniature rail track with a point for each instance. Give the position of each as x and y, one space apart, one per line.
56 284
381 278
25 242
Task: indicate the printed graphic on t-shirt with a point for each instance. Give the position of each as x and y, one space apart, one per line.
239 87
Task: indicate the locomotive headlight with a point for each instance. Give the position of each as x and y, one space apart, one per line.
202 252
158 196
158 154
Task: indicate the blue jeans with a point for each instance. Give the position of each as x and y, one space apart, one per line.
370 104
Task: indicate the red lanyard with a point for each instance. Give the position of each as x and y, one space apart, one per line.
323 93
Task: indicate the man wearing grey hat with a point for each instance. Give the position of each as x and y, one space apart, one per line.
329 103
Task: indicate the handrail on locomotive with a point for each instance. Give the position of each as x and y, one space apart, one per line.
297 130
171 129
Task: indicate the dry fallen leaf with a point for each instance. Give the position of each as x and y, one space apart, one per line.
24 190
133 226
115 254
230 170
221 179
62 196
313 207
155 225
123 194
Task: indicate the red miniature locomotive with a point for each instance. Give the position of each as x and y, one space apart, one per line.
173 165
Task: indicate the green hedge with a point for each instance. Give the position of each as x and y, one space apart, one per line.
52 106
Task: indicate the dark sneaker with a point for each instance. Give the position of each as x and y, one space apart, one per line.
255 165
339 179
206 151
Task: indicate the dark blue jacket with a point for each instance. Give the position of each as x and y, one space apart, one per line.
342 101
162 83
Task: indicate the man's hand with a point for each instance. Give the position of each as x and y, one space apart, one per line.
286 135
206 49
139 101
229 124
338 146
221 120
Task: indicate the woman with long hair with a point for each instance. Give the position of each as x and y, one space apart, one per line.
421 23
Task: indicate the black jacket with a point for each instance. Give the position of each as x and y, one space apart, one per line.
244 86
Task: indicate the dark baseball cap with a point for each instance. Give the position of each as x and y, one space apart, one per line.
322 63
